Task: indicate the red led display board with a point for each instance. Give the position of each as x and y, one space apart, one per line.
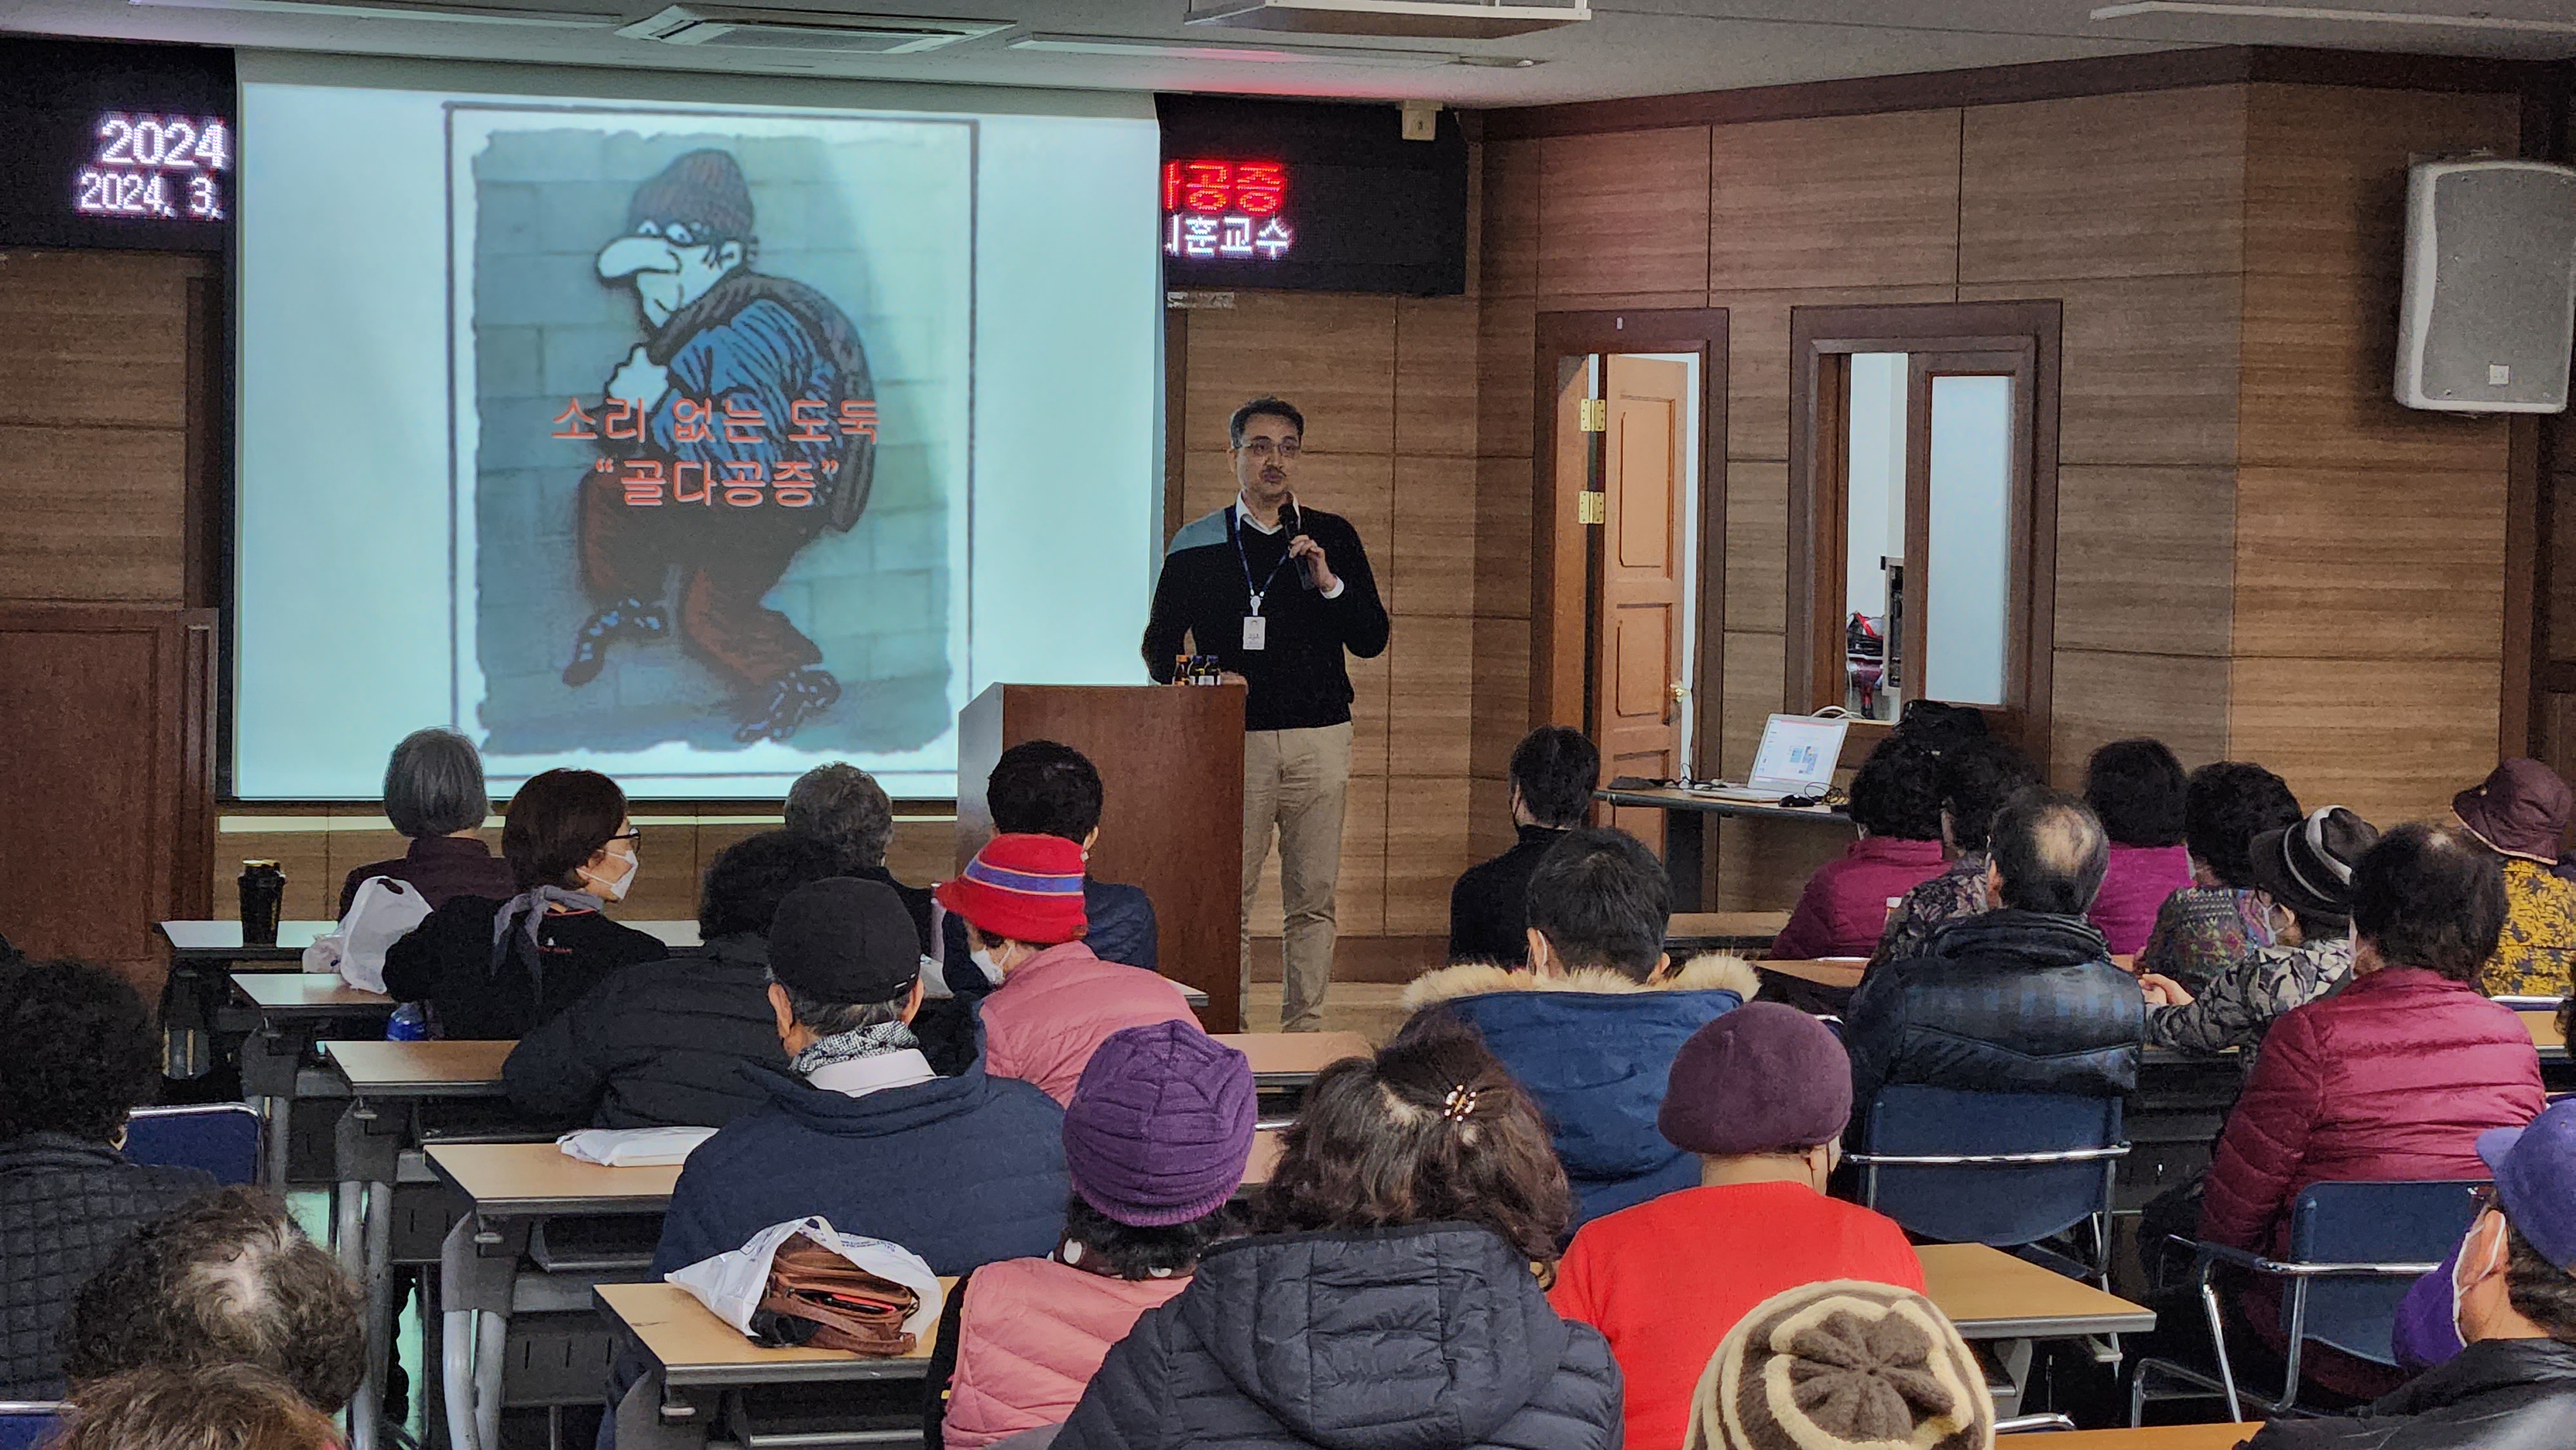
1232 209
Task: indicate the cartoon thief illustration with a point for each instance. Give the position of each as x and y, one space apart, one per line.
749 428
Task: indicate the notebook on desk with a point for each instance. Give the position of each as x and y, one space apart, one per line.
1797 757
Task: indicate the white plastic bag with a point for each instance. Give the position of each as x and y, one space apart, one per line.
383 912
633 1147
731 1284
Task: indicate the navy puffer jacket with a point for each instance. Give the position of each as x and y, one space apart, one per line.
2006 1001
1594 1049
1433 1337
65 1206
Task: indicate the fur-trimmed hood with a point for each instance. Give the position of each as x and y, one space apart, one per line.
1710 972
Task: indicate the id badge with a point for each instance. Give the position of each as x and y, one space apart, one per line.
1256 632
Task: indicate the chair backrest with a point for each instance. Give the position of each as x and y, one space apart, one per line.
221 1138
2005 1205
26 1424
2372 1223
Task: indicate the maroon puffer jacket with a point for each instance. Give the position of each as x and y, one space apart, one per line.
2391 1078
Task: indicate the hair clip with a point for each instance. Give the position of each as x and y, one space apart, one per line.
1460 1102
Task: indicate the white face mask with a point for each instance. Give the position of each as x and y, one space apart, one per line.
612 888
983 958
2462 1271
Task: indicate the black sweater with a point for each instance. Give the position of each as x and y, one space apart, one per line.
1298 680
446 961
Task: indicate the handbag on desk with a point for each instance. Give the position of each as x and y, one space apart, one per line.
816 1297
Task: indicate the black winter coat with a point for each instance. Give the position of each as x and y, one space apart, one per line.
1435 1337
65 1206
2497 1394
657 1045
2005 1001
446 961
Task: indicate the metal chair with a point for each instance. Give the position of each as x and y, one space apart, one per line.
221 1138
2005 1169
26 1424
2355 1249
2033 1424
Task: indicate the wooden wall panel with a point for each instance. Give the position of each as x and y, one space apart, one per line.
1427 845
2140 185
1757 547
1502 699
1432 690
1435 397
1333 356
1624 212
1507 256
95 338
2320 351
2393 739
1427 564
1358 486
1844 201
1503 537
2146 559
2381 564
1506 347
2325 172
1754 683
2561 543
96 514
2150 367
2102 696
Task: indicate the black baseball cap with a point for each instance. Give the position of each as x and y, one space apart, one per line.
845 941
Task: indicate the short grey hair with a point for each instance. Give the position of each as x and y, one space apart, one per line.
843 807
434 784
831 1019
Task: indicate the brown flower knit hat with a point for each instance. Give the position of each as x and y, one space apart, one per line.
1840 1364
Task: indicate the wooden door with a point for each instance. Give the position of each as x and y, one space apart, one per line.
1638 680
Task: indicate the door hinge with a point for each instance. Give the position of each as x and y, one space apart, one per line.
1592 506
1596 415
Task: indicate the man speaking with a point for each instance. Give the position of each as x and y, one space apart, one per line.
1276 592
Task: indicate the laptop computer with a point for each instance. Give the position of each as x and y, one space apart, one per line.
1797 757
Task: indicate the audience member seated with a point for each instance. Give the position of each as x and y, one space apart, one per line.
2221 918
1155 1142
499 969
80 1055
1553 774
1022 900
1396 1298
2520 812
2137 788
1590 1029
844 807
2510 1292
228 1279
2393 1077
1761 1096
2023 998
2304 876
961 1170
1896 803
1873 1366
1041 788
434 795
662 1044
215 1407
1974 779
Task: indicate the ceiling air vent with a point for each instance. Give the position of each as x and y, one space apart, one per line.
1408 19
726 27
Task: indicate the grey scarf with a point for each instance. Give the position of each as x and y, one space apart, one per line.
852 1045
528 909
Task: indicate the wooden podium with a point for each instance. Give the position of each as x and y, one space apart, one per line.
1171 764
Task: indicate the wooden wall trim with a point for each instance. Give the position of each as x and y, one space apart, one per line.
1176 441
2055 80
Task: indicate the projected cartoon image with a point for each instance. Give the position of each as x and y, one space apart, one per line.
738 516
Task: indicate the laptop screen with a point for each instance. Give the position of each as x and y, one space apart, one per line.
1798 754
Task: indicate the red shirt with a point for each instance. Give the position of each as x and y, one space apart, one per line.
1666 1280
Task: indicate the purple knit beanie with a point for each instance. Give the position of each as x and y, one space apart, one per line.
1160 1125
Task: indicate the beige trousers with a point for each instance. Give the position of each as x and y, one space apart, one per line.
1294 782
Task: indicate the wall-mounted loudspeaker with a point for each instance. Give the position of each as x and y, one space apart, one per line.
2490 287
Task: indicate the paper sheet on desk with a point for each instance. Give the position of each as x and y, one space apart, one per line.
633 1147
731 1285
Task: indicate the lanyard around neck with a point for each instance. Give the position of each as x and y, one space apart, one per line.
1261 590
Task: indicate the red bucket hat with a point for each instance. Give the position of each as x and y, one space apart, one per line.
1027 888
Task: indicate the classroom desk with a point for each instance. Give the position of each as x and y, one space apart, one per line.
1291 1059
1685 817
295 1010
2545 1036
221 941
388 1082
2221 1436
1839 972
1734 931
2010 1304
701 1368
